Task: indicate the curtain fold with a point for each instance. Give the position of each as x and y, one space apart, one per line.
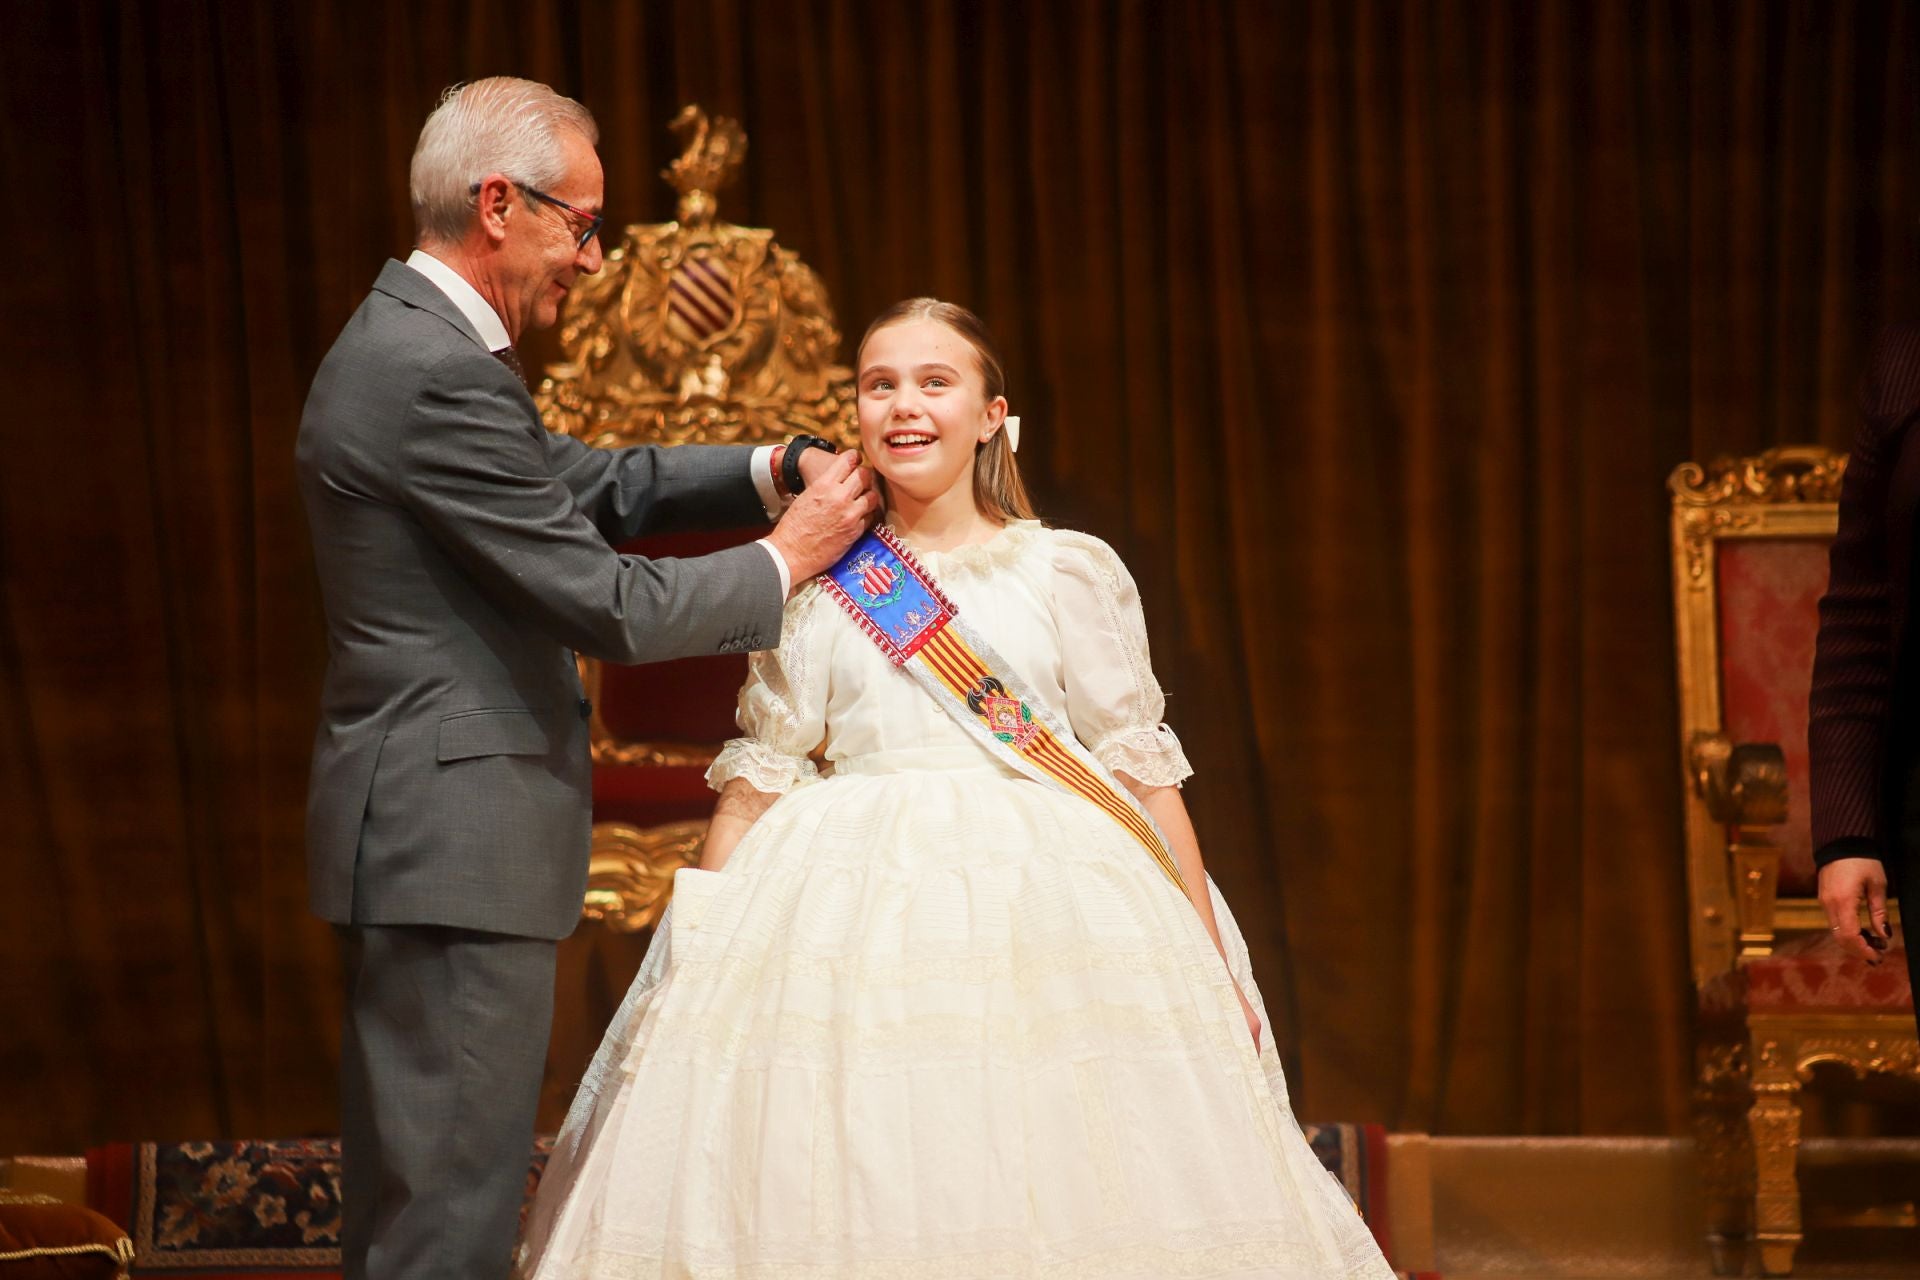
1367 333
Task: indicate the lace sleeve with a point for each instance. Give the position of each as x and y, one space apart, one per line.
782 710
1113 700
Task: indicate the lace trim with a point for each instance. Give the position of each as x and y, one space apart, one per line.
836 1040
1005 548
1215 1250
961 970
763 767
1149 756
1328 1239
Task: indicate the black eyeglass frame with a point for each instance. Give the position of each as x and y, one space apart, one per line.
594 220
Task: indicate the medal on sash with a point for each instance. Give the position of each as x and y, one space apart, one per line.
892 598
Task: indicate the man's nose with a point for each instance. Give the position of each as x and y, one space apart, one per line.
590 256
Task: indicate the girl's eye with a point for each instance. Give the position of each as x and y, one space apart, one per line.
879 384
936 382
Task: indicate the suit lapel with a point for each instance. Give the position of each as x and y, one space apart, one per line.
400 281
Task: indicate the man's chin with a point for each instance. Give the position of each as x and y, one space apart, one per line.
544 315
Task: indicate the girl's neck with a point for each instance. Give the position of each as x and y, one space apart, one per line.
947 521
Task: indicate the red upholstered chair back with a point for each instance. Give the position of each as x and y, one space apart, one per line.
1768 593
656 728
1749 566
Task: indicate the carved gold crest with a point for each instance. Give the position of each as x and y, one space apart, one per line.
697 330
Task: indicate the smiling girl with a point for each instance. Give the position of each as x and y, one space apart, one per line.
949 993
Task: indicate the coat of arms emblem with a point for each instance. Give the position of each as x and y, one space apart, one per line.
1008 718
879 583
698 330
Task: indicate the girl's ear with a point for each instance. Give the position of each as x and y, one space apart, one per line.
996 415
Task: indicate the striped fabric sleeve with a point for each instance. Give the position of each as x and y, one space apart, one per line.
1851 703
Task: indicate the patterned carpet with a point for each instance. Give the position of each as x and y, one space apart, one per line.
264 1209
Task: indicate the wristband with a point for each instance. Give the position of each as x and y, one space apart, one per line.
790 461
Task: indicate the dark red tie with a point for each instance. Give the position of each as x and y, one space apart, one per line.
509 357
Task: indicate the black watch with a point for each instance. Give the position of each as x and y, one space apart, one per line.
790 461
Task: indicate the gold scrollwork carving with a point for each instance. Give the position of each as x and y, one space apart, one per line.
656 755
1721 1065
1722 1097
1862 1054
1699 527
698 331
1774 1125
630 871
1785 1049
715 151
1786 473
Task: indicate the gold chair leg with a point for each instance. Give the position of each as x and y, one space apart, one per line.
1775 1124
1723 1093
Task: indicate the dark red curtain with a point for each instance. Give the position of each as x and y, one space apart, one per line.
1367 332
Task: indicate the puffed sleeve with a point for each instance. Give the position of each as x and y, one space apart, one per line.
1113 701
782 707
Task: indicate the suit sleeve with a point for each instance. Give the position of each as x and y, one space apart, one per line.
475 470
628 493
1850 706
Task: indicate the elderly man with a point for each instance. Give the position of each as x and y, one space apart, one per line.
464 554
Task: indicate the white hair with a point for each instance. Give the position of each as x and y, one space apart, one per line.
496 125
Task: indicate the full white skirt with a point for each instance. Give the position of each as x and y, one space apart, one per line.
937 1023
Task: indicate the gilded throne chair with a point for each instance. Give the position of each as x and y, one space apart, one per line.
695 331
1776 997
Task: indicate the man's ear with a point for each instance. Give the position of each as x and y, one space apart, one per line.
493 203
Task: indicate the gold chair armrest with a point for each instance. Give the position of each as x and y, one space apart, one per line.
1745 788
630 871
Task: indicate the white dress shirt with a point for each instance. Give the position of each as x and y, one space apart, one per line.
493 332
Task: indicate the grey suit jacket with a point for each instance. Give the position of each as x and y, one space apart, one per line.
463 554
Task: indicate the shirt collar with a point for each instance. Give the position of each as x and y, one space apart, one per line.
478 311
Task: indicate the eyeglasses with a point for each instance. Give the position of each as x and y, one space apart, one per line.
594 220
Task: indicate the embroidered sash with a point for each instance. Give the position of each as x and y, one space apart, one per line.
892 598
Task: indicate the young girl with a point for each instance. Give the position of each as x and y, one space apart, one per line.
948 1005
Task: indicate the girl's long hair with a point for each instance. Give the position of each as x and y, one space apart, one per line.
997 489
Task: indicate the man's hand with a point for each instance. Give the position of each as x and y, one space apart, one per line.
815 463
838 505
1844 883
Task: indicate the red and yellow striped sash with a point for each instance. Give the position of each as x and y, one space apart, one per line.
902 609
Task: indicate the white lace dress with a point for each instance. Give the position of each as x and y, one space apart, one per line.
934 1019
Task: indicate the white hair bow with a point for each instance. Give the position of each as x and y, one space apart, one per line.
1012 427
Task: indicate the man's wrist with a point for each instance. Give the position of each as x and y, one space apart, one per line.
762 468
776 460
780 565
791 478
1845 847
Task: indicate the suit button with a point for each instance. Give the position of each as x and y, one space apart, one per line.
586 709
